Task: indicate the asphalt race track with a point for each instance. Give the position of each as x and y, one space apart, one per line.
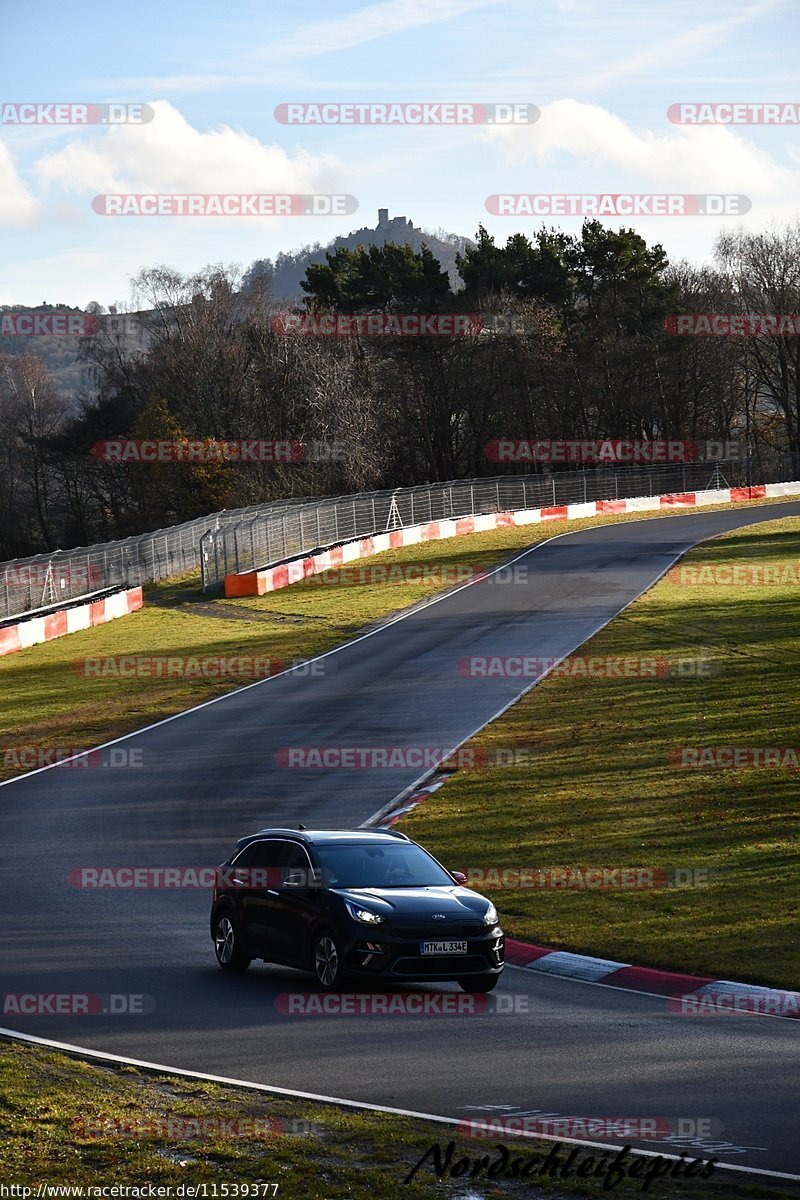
210 776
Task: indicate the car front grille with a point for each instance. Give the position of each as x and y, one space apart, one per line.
444 964
436 931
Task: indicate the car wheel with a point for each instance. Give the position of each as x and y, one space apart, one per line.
228 944
479 983
327 962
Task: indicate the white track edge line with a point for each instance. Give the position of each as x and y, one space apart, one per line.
83 1051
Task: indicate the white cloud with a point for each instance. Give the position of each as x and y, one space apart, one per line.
17 205
170 155
696 159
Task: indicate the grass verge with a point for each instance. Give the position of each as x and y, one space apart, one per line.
602 788
69 1122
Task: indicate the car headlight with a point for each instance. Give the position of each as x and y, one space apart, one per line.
364 915
490 916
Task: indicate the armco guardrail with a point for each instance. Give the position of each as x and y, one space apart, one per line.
245 538
267 538
31 586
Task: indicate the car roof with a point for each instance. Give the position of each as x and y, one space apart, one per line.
316 837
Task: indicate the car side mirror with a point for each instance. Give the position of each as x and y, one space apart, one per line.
460 878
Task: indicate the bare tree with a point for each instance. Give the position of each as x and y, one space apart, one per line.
764 273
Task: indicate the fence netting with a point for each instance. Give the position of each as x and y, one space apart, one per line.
249 538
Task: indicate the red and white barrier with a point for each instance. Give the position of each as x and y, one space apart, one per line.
69 620
271 579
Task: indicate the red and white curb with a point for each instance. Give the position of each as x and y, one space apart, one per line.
69 620
281 575
689 995
412 801
692 994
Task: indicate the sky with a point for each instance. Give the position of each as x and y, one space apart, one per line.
602 74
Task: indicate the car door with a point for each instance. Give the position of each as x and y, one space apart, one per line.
293 906
256 887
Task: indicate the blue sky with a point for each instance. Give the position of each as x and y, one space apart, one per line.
603 72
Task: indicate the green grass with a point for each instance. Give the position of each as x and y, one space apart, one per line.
599 789
47 1099
46 703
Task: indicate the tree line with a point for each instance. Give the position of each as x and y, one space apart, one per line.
581 348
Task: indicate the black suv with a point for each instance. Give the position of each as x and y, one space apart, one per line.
352 904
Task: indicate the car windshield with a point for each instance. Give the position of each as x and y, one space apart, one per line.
367 865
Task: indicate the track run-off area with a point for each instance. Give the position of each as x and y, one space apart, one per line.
208 776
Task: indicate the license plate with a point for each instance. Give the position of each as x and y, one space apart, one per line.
443 947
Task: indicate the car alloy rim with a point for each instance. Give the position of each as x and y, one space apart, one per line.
224 940
327 961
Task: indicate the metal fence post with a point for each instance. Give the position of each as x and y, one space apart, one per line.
204 584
